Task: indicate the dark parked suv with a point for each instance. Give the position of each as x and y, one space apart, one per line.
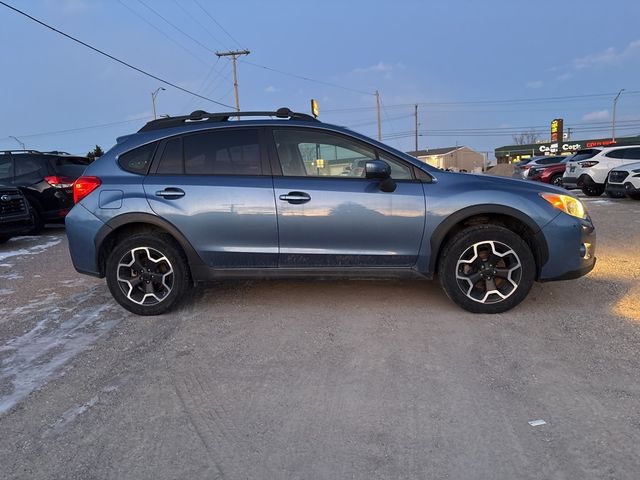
45 178
15 215
204 196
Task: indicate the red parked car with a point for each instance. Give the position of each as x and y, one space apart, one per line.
549 173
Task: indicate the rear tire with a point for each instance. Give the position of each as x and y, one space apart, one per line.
147 274
38 223
593 190
486 269
4 239
556 180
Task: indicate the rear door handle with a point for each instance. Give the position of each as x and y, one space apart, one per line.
170 193
296 198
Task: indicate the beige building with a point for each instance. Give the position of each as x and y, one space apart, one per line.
452 158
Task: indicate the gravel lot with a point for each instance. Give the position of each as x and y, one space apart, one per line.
310 379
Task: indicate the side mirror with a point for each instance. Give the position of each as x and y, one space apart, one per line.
377 169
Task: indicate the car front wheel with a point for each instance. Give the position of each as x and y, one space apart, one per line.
147 274
487 269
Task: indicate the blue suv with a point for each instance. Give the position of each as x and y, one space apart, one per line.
280 194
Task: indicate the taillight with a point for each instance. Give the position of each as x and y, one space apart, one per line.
526 167
83 186
58 181
588 164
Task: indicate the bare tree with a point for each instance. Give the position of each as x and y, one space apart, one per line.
525 138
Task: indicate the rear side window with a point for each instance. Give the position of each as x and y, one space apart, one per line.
6 168
138 159
224 152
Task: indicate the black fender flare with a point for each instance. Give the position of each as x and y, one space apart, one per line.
441 231
149 219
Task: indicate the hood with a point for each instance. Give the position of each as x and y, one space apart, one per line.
508 183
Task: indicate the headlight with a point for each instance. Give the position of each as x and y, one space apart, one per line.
566 203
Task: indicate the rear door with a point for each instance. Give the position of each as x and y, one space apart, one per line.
216 188
329 215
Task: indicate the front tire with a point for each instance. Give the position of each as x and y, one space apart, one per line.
486 269
593 190
634 196
147 274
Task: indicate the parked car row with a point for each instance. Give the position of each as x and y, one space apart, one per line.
43 181
611 170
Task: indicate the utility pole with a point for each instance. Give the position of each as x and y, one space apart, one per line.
378 111
234 54
153 100
613 119
415 113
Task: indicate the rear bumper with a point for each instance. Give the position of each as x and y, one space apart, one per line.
82 227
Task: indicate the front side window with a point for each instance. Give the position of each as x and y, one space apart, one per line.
619 153
632 154
223 152
319 154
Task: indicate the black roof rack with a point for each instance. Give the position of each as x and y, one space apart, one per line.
202 116
37 152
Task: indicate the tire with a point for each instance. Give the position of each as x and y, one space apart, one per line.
474 252
593 190
556 180
634 196
611 194
4 239
157 289
38 223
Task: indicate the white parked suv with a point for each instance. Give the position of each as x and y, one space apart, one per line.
589 168
625 180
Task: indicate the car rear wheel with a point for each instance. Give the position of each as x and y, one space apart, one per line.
593 190
556 180
147 274
487 269
36 217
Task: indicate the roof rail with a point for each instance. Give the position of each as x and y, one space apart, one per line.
202 116
19 151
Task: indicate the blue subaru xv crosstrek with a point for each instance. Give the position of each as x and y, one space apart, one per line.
280 194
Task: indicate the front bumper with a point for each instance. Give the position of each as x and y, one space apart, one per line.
572 246
622 188
10 228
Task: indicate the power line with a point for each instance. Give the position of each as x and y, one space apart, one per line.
162 32
195 19
217 23
79 129
487 102
321 82
139 70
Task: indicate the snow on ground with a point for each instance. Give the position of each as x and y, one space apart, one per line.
49 241
63 330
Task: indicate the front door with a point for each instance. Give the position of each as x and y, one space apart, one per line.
215 187
329 215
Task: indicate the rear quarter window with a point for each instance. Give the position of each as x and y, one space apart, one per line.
138 160
71 167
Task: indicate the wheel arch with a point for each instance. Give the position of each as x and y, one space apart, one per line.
511 218
132 223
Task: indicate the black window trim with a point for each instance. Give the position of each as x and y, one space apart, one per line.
276 167
264 161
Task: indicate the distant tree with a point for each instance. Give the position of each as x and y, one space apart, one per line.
95 153
525 138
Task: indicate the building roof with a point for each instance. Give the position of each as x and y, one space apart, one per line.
434 151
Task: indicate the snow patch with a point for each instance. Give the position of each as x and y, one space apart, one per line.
69 416
5 291
11 276
36 249
27 362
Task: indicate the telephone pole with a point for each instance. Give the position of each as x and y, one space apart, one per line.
415 114
613 120
234 54
378 110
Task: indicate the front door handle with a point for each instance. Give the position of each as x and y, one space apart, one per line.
296 198
170 193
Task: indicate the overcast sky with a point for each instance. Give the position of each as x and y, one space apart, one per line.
451 52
